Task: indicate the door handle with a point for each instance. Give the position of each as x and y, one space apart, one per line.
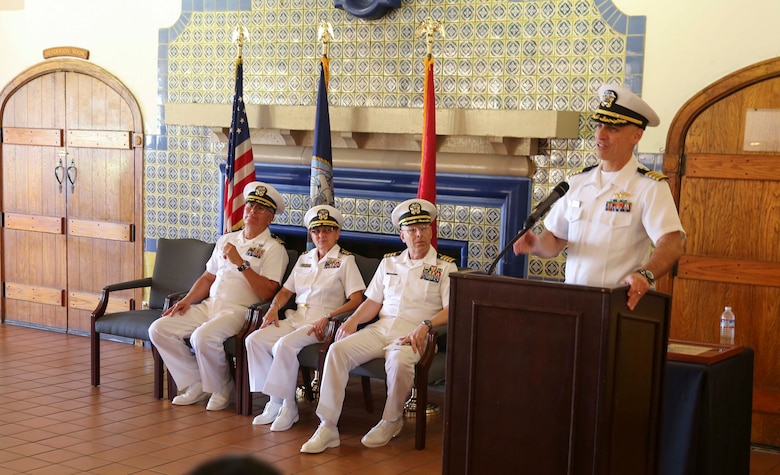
72 172
59 173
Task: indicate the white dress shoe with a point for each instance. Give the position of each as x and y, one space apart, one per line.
269 414
194 394
286 418
221 399
382 433
324 438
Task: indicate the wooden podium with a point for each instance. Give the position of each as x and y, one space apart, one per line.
552 379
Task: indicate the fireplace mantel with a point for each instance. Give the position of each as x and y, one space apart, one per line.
493 142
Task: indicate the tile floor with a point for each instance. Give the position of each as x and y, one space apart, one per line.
53 422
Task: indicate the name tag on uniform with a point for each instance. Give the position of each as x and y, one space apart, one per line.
332 263
255 251
305 264
431 273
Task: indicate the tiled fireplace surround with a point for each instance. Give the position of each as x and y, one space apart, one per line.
483 184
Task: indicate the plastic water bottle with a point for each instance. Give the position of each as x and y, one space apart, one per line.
727 324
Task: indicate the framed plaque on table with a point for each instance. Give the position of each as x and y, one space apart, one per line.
700 352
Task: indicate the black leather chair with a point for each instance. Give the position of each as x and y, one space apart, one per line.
178 264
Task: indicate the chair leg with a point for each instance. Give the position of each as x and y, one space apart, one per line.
158 373
367 393
95 357
421 385
172 389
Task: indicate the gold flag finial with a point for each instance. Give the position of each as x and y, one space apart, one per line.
324 35
429 28
240 36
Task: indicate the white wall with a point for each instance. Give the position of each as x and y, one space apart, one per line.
691 44
121 36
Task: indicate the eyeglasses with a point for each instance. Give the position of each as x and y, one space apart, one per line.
417 228
256 208
323 230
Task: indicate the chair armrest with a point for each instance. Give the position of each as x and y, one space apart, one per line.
171 299
102 305
430 346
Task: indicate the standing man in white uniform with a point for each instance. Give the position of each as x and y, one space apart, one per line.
616 211
325 281
410 292
246 266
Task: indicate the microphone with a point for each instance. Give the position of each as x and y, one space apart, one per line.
540 210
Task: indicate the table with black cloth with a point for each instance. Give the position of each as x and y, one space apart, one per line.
706 417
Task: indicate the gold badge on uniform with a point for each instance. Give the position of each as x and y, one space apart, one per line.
619 203
431 273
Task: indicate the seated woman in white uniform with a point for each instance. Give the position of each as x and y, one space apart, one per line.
325 281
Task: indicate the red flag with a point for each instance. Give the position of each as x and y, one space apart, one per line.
427 187
240 169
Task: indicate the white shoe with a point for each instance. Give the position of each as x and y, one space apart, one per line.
269 414
221 399
324 438
382 433
286 418
194 394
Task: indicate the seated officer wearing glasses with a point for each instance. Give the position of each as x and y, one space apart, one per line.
410 292
246 266
325 281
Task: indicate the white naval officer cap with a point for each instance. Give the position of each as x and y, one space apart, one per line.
265 195
323 215
618 105
414 211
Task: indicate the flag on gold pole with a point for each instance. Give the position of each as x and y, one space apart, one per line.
240 169
426 189
427 186
321 190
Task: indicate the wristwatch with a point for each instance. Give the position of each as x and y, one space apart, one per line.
429 324
647 274
244 266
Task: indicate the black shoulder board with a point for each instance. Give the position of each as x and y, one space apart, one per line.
651 174
586 169
278 239
344 251
393 254
445 257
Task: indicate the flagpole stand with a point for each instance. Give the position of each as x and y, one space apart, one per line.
410 407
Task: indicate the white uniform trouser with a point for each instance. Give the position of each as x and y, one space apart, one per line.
374 341
207 325
272 355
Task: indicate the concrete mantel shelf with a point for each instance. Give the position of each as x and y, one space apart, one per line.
390 137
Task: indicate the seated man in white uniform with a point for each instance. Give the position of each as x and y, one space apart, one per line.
410 292
246 266
325 281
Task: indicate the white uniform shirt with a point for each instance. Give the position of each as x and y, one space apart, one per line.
411 290
321 286
266 256
610 227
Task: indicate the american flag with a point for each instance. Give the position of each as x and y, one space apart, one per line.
427 186
321 190
240 169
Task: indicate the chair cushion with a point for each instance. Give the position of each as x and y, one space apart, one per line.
130 324
309 356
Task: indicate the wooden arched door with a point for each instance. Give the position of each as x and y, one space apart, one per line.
723 157
72 148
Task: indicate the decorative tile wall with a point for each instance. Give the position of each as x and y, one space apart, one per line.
496 54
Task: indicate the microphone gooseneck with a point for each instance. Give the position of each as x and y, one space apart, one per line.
538 212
